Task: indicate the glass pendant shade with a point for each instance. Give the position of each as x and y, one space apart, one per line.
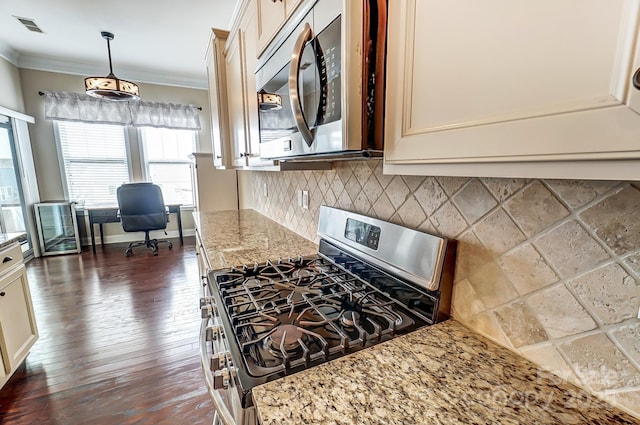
111 87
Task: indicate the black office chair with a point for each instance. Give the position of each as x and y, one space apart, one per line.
142 209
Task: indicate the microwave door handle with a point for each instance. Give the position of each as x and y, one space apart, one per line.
294 93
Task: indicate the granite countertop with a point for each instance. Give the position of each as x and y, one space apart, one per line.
443 374
232 238
7 239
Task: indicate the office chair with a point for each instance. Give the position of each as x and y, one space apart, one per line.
142 209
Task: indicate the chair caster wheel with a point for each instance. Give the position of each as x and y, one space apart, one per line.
170 246
127 254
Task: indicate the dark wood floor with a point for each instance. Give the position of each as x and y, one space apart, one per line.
118 341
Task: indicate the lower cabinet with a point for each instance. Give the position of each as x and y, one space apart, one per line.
18 330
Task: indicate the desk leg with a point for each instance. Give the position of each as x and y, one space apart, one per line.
101 236
179 215
93 235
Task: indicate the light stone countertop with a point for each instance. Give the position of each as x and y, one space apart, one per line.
7 239
233 238
443 374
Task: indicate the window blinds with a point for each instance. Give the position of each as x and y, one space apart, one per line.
94 159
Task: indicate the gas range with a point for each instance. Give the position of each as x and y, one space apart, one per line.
371 281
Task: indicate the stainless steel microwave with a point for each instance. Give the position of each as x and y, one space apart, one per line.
321 83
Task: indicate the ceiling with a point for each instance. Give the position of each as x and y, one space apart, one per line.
156 41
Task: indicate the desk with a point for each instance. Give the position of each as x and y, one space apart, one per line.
108 214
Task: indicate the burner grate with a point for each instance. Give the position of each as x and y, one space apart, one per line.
295 313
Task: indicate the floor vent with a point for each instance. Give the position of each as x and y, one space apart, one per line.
29 24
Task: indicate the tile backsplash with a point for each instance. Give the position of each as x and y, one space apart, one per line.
548 268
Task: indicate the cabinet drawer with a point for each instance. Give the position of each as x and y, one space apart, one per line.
9 257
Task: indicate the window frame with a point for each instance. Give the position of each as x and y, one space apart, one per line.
144 161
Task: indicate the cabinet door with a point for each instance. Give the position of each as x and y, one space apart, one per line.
501 81
249 38
18 330
271 15
216 80
235 99
290 6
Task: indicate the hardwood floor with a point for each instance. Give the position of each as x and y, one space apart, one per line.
118 341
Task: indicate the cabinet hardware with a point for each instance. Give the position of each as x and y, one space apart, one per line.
636 79
218 156
7 259
2 294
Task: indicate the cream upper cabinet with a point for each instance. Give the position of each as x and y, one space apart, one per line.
271 16
241 92
235 99
216 79
18 331
520 89
290 6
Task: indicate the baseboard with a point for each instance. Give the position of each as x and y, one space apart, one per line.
137 236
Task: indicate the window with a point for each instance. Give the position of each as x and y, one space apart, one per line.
167 163
94 158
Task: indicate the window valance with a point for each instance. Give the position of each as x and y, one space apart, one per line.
64 106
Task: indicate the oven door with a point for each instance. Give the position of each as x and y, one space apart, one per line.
300 106
219 370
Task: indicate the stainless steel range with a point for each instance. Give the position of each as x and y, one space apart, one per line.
371 281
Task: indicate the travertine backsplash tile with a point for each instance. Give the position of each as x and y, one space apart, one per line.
466 302
549 268
616 220
526 269
561 314
610 292
535 208
499 233
629 338
474 201
577 193
447 221
520 325
570 249
633 262
430 195
451 184
492 285
599 364
550 359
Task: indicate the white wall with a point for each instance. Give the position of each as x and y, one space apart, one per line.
10 89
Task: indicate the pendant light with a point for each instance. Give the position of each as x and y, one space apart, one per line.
110 87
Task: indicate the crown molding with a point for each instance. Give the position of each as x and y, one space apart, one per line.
41 63
8 53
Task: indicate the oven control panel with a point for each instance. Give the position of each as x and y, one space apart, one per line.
363 233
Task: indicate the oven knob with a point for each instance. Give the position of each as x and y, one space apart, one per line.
217 362
212 333
205 311
221 379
